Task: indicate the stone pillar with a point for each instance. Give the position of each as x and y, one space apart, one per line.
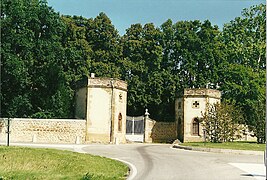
148 129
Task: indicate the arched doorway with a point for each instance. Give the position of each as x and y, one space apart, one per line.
120 122
195 127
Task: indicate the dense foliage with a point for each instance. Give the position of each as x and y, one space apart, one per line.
32 76
222 122
43 54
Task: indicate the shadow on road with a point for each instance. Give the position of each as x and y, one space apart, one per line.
252 175
147 159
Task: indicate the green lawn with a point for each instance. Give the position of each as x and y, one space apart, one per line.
240 145
29 163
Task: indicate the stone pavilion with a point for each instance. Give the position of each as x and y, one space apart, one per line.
189 107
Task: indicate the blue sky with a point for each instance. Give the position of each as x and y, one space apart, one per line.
123 13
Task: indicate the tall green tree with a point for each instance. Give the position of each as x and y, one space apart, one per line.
245 38
104 40
186 53
197 53
192 56
31 42
168 73
142 55
246 88
134 69
243 76
77 51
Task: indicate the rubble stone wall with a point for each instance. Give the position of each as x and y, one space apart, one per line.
156 131
45 130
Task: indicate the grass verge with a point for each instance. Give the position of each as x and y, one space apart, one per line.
239 145
30 163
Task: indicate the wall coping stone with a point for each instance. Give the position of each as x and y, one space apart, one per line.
200 92
101 82
34 119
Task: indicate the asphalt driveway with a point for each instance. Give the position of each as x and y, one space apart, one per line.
160 161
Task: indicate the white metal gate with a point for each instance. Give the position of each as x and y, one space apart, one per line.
135 128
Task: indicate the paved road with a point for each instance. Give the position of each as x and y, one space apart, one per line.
161 162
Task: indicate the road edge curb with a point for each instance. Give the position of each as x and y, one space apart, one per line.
132 168
216 150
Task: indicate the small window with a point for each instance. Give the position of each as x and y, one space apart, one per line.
195 104
119 122
195 129
120 97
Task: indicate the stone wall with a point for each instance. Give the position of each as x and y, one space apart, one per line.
45 130
160 131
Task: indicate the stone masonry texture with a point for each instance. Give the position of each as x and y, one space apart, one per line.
45 130
160 131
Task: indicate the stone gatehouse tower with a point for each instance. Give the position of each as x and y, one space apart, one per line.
188 110
102 103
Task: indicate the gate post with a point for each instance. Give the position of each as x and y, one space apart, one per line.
133 126
146 124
